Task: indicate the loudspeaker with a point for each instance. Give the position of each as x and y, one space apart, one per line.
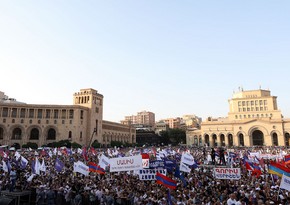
6 200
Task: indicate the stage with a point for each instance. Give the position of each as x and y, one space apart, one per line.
20 197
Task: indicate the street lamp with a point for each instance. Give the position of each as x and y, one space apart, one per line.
94 131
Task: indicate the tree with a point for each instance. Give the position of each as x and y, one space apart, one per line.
174 136
31 145
96 144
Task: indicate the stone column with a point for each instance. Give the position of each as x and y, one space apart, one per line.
247 141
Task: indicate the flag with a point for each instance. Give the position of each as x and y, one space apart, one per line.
23 163
180 176
85 154
37 166
80 167
184 168
42 166
287 159
104 161
93 167
4 166
17 155
58 165
169 198
278 169
285 183
166 181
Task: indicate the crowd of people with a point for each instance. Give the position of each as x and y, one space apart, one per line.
199 185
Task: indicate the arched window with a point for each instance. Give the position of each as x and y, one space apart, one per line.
16 134
51 134
34 134
1 133
69 135
241 140
275 139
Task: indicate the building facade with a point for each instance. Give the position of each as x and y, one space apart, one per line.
144 119
81 122
253 120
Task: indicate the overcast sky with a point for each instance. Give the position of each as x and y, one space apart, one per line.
168 57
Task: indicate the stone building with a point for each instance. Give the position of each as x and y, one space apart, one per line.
81 122
253 120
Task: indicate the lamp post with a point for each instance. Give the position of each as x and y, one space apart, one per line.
94 131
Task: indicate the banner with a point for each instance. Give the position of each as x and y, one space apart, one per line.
80 167
184 168
125 163
285 183
104 162
156 164
187 158
150 174
227 173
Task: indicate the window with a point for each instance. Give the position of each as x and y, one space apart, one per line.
5 112
240 109
252 109
244 109
252 102
256 102
248 109
82 114
258 115
13 120
55 122
236 117
22 113
14 112
97 110
47 121
70 122
39 121
31 113
30 121
69 135
249 116
71 114
243 103
81 136
4 120
248 103
55 114
63 114
262 115
239 103
22 121
39 113
265 102
47 115
261 102
261 108
245 116
257 109
62 121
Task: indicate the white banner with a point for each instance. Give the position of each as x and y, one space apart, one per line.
187 158
184 168
125 163
104 161
145 163
80 167
227 173
150 174
285 183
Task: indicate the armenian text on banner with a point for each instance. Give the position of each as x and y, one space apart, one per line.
156 164
227 173
150 174
126 163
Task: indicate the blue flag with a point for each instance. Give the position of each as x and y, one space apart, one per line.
58 165
169 198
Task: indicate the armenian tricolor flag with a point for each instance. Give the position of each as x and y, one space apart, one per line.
166 181
93 167
287 159
278 169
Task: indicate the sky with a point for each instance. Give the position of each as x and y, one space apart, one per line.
168 57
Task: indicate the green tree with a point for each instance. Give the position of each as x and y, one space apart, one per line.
96 144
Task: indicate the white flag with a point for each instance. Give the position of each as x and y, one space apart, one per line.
104 161
29 179
285 183
80 167
23 162
184 168
37 166
42 166
4 166
187 158
17 155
